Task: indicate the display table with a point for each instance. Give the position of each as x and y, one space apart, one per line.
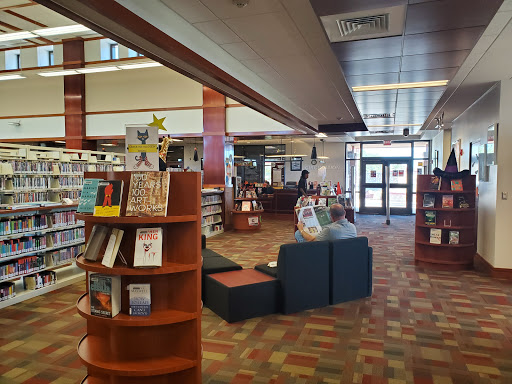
241 220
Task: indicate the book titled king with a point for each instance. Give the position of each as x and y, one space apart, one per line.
148 248
140 299
148 194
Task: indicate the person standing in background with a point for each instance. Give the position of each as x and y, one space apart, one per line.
303 184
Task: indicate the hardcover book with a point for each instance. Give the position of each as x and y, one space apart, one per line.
430 217
462 202
95 242
456 185
140 299
435 236
148 248
246 206
105 294
454 237
148 194
435 183
108 198
88 196
109 257
429 200
447 201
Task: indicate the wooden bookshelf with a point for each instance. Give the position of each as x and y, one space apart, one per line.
446 256
164 347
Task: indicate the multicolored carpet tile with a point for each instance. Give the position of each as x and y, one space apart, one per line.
419 326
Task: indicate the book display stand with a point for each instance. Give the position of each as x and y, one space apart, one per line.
246 220
456 221
164 347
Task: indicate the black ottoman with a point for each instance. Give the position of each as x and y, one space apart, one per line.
271 271
241 295
209 253
215 264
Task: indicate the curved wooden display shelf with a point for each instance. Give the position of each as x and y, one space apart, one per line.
94 380
445 245
136 219
94 353
166 268
169 316
444 227
445 209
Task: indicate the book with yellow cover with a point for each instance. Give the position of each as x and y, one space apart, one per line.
148 194
108 198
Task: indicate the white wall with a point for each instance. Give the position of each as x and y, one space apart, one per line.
245 119
33 127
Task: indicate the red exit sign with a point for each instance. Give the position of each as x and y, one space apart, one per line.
387 142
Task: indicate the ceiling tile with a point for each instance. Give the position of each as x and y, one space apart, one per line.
434 60
369 97
428 75
414 96
364 67
381 78
264 27
227 10
218 32
240 51
453 40
280 45
421 90
257 65
416 104
368 49
191 10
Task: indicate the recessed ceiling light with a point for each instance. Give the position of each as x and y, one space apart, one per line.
97 69
420 84
17 36
65 72
12 77
61 30
321 134
139 65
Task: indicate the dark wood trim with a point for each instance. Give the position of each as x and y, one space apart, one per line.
235 105
116 60
484 266
31 116
32 21
143 110
340 128
32 139
110 18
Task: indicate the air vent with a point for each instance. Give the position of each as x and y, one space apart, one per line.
364 25
379 116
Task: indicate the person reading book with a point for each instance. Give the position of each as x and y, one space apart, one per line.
340 228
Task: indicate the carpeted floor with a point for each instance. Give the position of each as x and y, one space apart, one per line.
419 327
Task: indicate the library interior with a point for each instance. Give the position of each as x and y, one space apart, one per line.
255 191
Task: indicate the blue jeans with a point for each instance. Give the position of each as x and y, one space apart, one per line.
299 237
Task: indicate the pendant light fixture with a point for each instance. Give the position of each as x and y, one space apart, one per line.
196 157
313 151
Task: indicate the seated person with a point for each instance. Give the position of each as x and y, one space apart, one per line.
340 228
267 189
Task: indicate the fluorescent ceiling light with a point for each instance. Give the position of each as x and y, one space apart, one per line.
420 84
12 77
139 65
97 69
322 157
17 36
60 141
61 30
321 134
394 125
108 145
65 72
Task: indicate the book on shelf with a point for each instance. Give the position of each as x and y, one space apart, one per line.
430 217
88 196
453 237
456 184
435 183
462 202
447 201
105 295
148 194
95 242
255 205
429 200
109 257
435 235
108 198
7 290
148 248
140 299
314 218
39 280
246 206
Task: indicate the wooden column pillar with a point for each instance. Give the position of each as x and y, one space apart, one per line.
74 94
214 135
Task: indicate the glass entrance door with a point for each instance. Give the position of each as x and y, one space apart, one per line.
373 187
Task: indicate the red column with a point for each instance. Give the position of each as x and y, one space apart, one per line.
214 134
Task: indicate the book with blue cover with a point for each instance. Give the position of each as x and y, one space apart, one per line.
88 196
140 299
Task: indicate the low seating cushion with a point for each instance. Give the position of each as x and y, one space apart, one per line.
203 241
209 253
271 271
218 265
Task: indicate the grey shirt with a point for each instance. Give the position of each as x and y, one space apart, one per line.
341 229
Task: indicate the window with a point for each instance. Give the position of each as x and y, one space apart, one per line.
132 53
18 61
114 51
45 56
51 60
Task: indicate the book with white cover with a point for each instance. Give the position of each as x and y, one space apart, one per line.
112 249
148 248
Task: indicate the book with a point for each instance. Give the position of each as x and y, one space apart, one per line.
453 237
447 201
435 236
462 202
148 194
109 257
435 183
148 248
429 200
104 294
88 196
456 184
314 218
108 198
95 242
140 299
430 217
246 206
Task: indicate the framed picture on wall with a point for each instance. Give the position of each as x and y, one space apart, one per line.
295 165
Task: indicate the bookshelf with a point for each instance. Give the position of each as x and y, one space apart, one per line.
212 203
247 220
164 347
446 256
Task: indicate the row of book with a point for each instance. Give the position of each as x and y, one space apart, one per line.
455 184
7 291
211 199
30 197
211 229
105 296
37 182
212 219
73 195
62 219
248 194
30 264
209 209
31 167
429 201
436 235
23 245
39 280
76 168
67 236
23 224
71 181
247 206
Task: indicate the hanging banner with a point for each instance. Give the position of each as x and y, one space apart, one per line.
141 148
